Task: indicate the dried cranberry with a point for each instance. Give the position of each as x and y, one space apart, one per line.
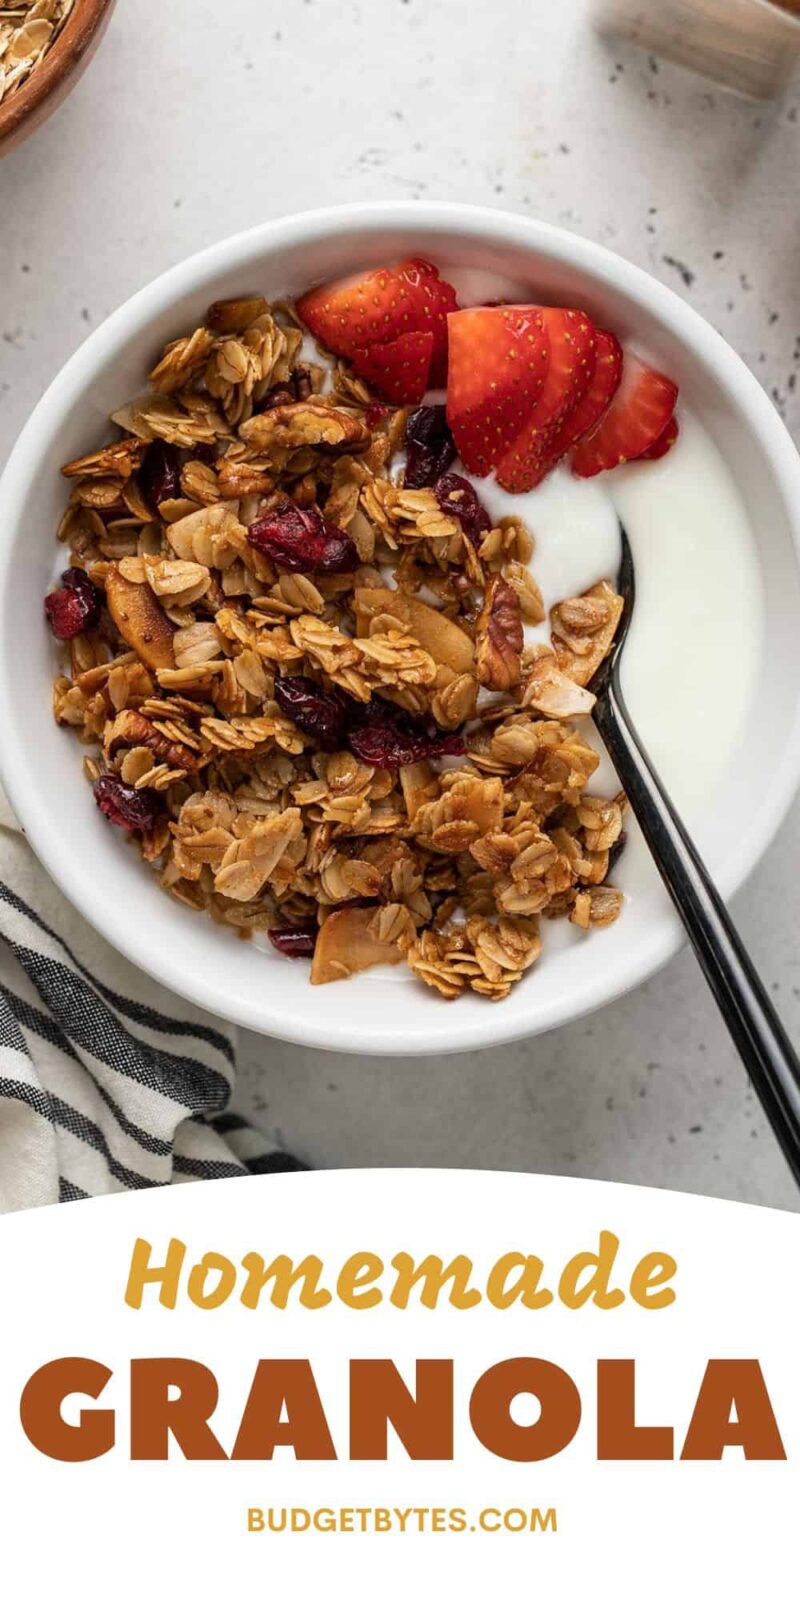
302 540
457 498
375 413
294 942
75 607
383 735
160 473
429 446
321 715
393 747
127 807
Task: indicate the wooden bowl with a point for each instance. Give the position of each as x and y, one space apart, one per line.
56 73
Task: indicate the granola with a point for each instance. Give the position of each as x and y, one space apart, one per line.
305 687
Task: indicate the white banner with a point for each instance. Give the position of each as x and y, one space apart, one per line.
363 1381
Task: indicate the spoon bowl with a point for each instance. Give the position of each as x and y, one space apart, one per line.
626 589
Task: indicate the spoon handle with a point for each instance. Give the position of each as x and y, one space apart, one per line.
752 1021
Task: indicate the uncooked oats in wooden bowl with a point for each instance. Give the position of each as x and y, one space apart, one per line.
201 674
44 47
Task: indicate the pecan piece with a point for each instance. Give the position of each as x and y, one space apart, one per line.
498 636
130 729
236 477
306 424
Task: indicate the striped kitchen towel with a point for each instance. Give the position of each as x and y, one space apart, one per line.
107 1081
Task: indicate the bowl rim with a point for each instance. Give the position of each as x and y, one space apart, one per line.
56 67
131 318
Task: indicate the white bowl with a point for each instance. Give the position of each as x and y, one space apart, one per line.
41 767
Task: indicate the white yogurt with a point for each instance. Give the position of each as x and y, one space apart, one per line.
691 660
575 528
691 663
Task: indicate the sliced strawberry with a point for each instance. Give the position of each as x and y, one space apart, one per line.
572 360
606 373
378 307
398 371
637 415
603 385
498 364
663 443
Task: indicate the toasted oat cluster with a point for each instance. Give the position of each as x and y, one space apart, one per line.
28 28
297 656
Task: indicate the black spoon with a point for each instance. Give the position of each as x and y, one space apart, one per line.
752 1021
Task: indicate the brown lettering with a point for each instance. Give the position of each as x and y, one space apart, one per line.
423 1422
154 1415
490 1412
733 1386
40 1410
279 1384
619 1438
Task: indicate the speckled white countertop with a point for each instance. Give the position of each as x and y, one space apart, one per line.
194 122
